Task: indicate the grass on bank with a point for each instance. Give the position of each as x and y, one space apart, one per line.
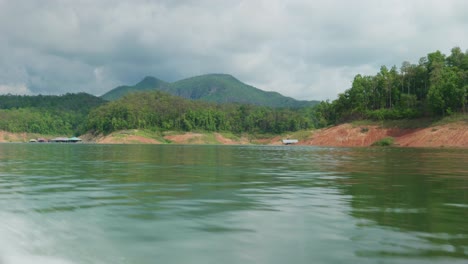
156 135
231 136
452 119
413 123
203 137
300 135
384 142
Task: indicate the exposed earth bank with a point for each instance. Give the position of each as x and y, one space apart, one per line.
345 135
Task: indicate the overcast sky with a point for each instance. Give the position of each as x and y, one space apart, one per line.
304 49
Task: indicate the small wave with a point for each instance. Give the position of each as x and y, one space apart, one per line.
30 259
21 242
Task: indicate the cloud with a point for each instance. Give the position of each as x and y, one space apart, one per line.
15 89
303 49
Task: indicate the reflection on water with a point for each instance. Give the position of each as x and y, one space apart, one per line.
231 204
424 192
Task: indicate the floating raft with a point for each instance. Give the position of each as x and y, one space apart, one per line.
65 140
57 140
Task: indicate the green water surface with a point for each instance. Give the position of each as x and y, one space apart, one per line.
62 203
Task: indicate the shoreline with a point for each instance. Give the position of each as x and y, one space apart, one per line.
451 135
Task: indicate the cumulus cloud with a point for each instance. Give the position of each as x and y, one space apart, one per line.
303 49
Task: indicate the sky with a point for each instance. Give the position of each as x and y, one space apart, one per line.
305 49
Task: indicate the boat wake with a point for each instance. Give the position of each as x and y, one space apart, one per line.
23 242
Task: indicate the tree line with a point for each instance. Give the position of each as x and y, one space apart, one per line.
160 111
76 114
436 86
47 114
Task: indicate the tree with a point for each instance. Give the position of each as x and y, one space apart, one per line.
456 58
446 95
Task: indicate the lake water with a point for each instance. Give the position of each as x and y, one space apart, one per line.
65 203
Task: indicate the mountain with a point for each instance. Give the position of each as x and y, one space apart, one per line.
148 83
218 88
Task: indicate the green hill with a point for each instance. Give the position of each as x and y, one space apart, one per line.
148 83
218 88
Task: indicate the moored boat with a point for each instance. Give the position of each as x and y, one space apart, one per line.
290 141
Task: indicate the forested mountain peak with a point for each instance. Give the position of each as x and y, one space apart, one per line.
216 87
150 81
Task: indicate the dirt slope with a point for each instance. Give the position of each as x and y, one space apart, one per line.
206 138
186 138
13 137
451 135
119 138
346 135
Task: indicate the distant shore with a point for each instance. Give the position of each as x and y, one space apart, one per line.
345 135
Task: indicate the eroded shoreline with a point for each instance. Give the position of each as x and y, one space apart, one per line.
344 135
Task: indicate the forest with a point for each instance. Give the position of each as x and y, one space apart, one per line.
435 87
160 111
47 114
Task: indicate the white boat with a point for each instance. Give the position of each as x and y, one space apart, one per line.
290 141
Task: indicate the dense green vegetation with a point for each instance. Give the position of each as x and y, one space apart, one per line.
160 111
436 86
217 88
66 114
